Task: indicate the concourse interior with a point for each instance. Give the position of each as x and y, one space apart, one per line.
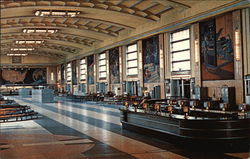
148 79
72 130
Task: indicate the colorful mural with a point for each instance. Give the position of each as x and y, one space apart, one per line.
90 68
217 53
114 66
151 67
32 76
74 72
62 73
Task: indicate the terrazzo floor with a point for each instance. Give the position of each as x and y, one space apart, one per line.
68 129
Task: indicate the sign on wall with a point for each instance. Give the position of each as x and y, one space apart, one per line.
32 76
217 52
151 67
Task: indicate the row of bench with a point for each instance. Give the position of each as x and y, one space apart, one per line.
12 111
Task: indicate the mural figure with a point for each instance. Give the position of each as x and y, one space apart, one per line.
90 68
74 73
62 73
217 52
151 60
114 66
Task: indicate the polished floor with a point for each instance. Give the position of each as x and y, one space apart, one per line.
74 130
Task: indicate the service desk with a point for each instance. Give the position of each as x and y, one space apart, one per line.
189 129
25 93
43 95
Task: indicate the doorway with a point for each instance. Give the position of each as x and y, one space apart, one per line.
180 88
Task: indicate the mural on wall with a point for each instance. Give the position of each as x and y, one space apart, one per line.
217 53
32 76
151 67
74 72
62 73
114 66
90 68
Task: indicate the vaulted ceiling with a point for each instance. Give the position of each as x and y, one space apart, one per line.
98 21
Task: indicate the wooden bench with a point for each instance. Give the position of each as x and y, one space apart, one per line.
23 116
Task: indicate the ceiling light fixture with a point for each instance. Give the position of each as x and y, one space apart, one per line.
29 41
17 54
237 44
39 30
57 13
22 49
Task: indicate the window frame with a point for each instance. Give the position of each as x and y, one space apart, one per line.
133 59
102 65
69 72
171 42
83 67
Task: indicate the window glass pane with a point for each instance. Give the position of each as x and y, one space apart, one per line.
248 87
83 66
102 56
132 63
82 61
83 77
132 48
132 56
102 74
102 68
180 66
184 55
82 71
132 71
102 62
184 34
180 45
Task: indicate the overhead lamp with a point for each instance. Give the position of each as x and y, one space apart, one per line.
196 50
17 54
237 44
57 13
29 41
40 30
22 49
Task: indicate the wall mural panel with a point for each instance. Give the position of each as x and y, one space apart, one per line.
74 75
114 66
217 53
62 73
31 76
151 67
90 68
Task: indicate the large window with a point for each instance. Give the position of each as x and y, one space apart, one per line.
83 69
180 51
102 64
69 72
132 60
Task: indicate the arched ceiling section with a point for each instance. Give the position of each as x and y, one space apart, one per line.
98 20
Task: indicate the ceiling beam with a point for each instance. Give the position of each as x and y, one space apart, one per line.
173 4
